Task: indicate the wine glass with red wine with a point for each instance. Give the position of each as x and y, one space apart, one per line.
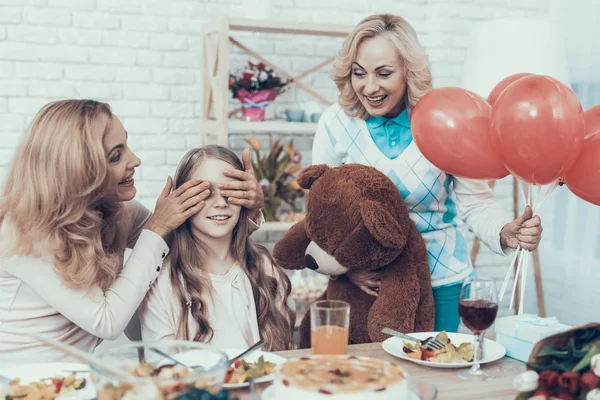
477 308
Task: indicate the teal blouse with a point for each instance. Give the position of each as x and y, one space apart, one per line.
391 135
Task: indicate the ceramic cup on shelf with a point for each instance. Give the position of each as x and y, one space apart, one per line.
294 115
314 117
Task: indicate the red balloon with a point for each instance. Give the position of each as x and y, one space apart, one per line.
451 126
584 177
538 127
592 120
499 88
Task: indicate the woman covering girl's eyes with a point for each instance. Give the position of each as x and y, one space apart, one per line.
67 215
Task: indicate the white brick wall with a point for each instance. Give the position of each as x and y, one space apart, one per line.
143 57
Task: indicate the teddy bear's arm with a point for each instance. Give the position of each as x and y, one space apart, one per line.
289 251
397 303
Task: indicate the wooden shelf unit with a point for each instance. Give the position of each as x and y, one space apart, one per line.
215 63
239 126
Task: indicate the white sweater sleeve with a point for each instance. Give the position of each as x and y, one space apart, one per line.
481 212
103 314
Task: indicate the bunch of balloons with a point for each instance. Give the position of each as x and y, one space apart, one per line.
531 126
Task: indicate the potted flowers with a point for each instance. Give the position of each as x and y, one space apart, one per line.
255 87
276 173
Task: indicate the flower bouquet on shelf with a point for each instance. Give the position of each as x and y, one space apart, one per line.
276 173
255 87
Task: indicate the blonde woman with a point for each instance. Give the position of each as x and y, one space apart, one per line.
381 72
66 217
218 286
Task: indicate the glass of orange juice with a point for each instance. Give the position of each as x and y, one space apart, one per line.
329 320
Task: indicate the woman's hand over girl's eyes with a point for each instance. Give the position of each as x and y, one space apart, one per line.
246 191
174 208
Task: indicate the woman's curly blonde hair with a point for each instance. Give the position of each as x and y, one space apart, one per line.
52 197
404 38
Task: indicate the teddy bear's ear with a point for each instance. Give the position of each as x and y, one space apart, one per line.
382 225
309 175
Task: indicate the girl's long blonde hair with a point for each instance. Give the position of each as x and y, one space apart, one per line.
404 38
51 200
187 259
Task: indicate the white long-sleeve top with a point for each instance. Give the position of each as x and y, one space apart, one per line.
434 199
231 309
33 298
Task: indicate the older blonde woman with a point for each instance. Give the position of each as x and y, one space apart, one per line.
381 72
66 217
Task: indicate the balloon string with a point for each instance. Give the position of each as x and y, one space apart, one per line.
514 289
522 191
524 262
524 271
538 204
507 275
520 252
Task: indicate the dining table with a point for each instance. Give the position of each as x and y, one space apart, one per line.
445 380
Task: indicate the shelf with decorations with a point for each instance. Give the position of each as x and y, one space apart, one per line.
217 122
246 127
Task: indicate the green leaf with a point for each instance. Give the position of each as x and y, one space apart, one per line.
552 351
257 170
278 152
563 366
280 174
285 161
584 363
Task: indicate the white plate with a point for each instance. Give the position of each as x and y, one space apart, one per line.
34 372
492 351
269 394
190 358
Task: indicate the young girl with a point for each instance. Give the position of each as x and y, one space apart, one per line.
217 285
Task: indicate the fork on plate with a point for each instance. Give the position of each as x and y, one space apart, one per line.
431 343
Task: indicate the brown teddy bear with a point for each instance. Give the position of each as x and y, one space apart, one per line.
356 219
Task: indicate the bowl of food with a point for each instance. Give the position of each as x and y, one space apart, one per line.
46 381
162 370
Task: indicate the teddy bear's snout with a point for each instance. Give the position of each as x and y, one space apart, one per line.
319 260
311 263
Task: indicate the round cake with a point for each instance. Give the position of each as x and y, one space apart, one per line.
340 376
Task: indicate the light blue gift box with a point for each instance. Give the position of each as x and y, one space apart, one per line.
520 333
